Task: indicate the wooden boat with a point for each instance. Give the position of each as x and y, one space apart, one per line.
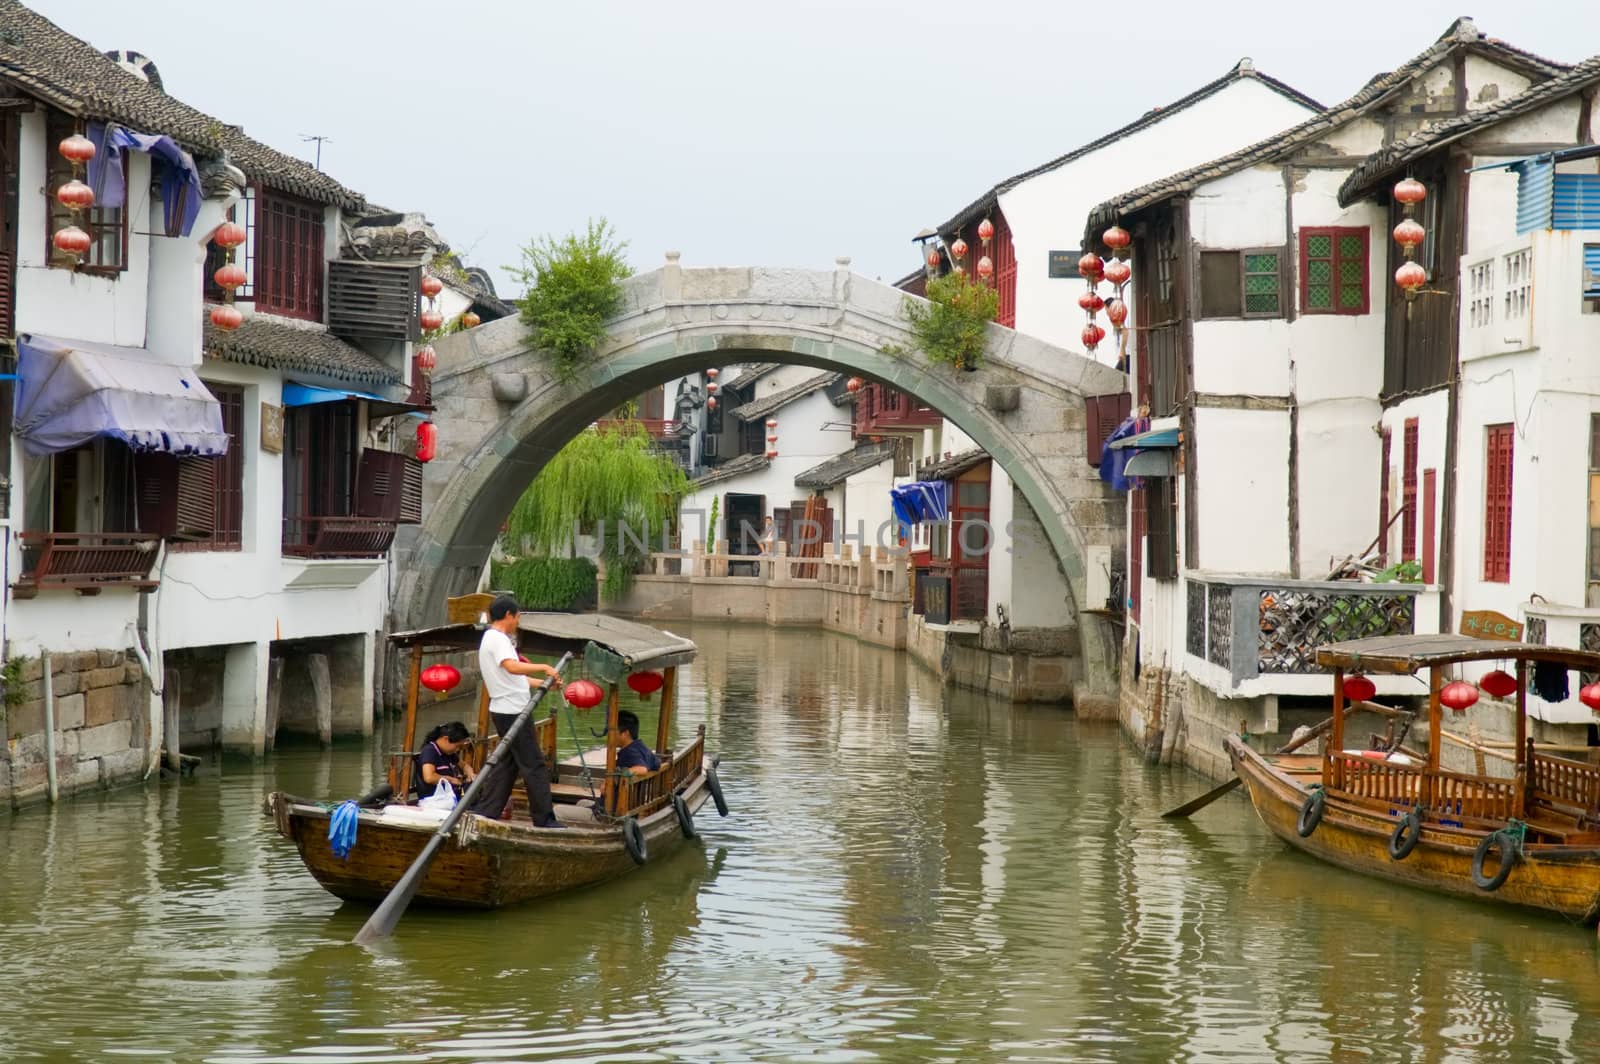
1530 838
613 822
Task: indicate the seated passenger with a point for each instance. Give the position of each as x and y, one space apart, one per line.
632 755
440 759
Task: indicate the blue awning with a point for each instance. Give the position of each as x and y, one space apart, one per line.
296 394
1167 437
921 500
69 392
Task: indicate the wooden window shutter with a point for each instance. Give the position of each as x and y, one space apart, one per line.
411 492
1101 416
1408 491
380 484
155 493
195 497
1161 542
1497 504
7 290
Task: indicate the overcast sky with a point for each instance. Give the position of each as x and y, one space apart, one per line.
739 132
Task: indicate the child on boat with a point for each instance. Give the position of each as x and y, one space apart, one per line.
440 759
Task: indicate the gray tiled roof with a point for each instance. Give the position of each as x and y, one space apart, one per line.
72 75
778 400
953 466
985 203
843 466
1384 163
274 345
1461 34
745 463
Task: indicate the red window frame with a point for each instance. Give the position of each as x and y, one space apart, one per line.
1005 272
1498 455
290 255
1337 260
1408 492
107 226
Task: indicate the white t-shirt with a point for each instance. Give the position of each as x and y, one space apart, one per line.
508 692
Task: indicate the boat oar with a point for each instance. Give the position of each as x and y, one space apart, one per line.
382 922
1197 804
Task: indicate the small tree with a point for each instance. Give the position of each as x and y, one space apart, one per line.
573 285
952 325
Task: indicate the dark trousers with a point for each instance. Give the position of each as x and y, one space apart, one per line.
526 760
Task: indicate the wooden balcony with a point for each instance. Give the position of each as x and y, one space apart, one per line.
337 537
879 409
86 562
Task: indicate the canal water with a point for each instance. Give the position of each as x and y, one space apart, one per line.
908 874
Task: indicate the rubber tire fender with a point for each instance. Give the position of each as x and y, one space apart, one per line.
685 819
1311 811
714 785
1509 855
1405 836
633 840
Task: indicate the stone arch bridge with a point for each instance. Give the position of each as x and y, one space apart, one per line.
502 414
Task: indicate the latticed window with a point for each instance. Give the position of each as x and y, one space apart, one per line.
1408 493
1497 504
1333 271
1241 284
289 255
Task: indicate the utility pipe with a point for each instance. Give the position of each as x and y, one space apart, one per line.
49 724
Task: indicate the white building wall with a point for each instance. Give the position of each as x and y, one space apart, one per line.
1243 462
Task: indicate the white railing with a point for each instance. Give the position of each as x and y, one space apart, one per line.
879 571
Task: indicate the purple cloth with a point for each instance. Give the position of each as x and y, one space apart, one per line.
1113 462
175 174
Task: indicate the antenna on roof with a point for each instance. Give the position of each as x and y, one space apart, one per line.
319 139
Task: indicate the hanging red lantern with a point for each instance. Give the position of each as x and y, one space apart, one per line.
440 678
711 403
772 440
470 320
711 387
1091 301
583 694
986 230
1409 233
430 320
1092 335
772 422
645 684
1117 312
226 317
1358 688
959 249
933 259
772 454
1498 684
430 285
985 268
77 148
712 374
72 240
1091 267
1410 277
1458 696
75 195
1590 696
1118 272
1116 238
230 276
854 384
427 358
1410 191
427 440
228 235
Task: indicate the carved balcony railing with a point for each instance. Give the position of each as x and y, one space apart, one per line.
337 537
86 561
1255 626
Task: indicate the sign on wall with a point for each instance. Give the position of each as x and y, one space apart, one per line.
1487 624
271 428
1064 263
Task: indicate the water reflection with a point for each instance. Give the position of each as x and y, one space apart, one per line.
911 873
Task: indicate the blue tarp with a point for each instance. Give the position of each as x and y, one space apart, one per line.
174 173
69 392
306 395
1114 459
922 500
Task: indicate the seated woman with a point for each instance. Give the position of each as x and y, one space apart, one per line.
440 759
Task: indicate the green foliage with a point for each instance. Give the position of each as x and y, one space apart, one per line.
1405 572
601 482
573 285
11 682
711 523
546 583
951 326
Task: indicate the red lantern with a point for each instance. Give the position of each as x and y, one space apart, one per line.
228 235
1410 277
470 320
1091 267
959 249
583 694
1410 191
772 422
1116 238
1117 312
1092 335
933 259
711 403
854 384
712 374
644 684
77 148
440 678
772 454
427 358
1118 272
1458 696
1091 301
711 387
772 440
986 230
430 285
430 320
1590 696
230 276
75 195
1359 688
1409 233
72 240
985 268
226 317
427 440
1498 684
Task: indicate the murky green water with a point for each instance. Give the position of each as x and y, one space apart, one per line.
908 875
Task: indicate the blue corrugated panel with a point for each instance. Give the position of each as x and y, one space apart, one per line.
1591 271
1576 202
1535 184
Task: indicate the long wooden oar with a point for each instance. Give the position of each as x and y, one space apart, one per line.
1196 804
382 922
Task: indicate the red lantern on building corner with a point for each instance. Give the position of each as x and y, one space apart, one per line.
854 384
430 320
76 149
226 317
427 440
470 320
430 285
427 358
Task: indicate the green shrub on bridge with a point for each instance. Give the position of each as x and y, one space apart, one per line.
573 286
951 326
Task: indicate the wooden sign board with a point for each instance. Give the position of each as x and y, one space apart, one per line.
271 428
1064 263
1487 624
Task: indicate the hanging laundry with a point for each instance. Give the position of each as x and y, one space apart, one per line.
174 172
1550 681
1113 462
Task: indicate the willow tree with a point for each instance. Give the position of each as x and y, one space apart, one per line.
608 482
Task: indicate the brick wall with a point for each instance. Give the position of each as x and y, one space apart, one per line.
102 726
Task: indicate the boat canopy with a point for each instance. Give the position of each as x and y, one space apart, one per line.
1408 653
612 646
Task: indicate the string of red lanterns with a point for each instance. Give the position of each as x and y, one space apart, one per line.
230 276
430 319
426 359
72 239
1409 234
772 437
711 388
